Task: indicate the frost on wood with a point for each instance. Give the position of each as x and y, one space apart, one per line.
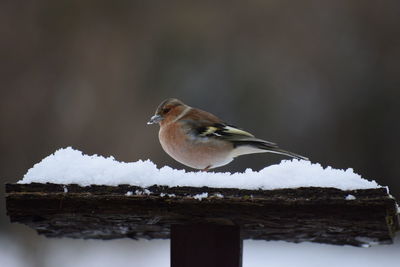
323 215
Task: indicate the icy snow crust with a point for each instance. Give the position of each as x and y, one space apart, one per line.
70 166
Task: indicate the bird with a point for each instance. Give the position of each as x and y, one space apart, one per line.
200 140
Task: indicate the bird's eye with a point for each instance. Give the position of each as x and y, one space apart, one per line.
166 110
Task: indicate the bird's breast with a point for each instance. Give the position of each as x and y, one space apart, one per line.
195 152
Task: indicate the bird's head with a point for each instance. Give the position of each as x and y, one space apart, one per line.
168 110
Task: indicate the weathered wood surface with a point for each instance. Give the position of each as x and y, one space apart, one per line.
106 212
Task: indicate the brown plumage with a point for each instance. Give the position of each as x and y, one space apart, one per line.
201 140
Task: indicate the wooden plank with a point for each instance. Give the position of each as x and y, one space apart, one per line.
211 245
313 214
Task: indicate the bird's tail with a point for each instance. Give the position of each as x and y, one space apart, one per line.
286 153
268 147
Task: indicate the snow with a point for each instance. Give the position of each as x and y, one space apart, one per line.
70 166
63 252
368 242
144 192
350 197
200 196
168 195
258 253
11 254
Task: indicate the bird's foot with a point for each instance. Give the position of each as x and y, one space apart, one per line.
206 168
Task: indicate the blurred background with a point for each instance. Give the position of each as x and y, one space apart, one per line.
320 78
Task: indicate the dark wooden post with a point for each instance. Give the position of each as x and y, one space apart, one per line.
210 245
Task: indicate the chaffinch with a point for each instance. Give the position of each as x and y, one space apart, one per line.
200 140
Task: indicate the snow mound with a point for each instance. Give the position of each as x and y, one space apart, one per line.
70 166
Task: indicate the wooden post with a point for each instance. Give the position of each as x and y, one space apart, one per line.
210 245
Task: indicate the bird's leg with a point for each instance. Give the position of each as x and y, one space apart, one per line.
206 168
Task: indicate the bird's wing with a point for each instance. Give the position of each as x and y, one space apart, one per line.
203 124
223 130
231 133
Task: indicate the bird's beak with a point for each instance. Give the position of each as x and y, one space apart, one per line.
155 119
